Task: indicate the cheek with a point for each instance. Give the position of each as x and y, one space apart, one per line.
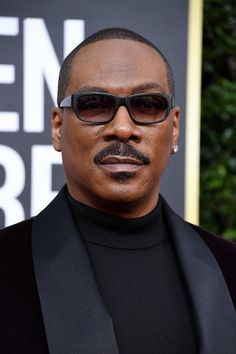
78 144
160 150
160 142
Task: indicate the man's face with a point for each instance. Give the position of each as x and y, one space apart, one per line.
122 185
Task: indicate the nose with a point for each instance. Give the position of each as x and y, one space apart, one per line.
122 128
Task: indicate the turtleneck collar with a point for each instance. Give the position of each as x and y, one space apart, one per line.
113 231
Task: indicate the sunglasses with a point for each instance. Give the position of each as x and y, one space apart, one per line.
100 108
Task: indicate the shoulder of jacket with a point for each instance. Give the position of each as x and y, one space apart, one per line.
18 228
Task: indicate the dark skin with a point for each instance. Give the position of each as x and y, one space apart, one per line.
118 185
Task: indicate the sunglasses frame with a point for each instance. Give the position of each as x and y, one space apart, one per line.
70 102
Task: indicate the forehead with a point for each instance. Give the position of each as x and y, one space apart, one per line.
117 64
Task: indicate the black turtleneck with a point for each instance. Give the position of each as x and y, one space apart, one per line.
139 280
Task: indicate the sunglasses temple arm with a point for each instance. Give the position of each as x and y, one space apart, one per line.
66 102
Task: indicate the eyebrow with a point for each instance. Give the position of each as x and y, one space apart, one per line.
136 89
147 86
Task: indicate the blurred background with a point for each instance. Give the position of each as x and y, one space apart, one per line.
218 119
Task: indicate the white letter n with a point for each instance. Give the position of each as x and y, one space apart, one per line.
40 62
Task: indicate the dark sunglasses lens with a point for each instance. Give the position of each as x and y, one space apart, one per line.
95 108
148 108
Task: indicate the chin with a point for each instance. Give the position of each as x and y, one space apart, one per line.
123 176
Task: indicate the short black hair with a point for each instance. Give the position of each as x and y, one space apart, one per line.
104 34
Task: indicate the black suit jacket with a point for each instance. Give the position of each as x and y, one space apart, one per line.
50 303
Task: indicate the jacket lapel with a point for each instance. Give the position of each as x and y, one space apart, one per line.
75 318
211 302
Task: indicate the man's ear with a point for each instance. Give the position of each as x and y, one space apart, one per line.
176 125
56 126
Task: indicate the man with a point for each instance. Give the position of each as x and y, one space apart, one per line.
108 267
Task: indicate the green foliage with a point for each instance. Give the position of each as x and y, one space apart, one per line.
218 124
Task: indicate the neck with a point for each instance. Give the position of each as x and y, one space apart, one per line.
126 209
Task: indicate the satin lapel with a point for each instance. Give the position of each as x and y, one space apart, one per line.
212 305
75 318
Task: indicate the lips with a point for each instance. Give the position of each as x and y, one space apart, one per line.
120 164
123 151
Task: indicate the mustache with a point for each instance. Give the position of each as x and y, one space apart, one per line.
121 149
